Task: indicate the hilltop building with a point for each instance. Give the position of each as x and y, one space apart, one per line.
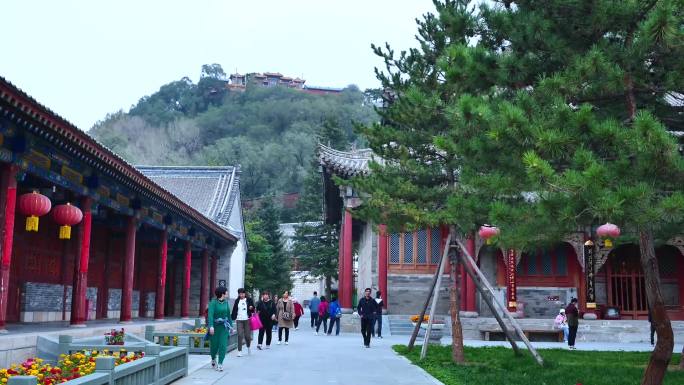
238 82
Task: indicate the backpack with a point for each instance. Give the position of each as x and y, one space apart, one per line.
337 311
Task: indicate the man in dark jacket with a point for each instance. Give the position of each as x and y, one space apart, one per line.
266 309
367 310
242 310
572 313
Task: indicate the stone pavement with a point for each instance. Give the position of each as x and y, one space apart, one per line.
313 360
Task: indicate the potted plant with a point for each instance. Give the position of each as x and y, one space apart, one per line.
115 337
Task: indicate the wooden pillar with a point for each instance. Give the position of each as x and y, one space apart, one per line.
382 263
511 287
204 293
348 264
340 264
79 312
129 268
161 277
212 275
185 295
8 202
470 285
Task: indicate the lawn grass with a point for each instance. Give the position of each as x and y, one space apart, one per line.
498 366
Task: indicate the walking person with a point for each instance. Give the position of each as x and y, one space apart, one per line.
299 312
243 308
378 316
219 322
653 328
266 309
285 314
561 322
313 309
335 314
322 315
367 309
572 314
275 301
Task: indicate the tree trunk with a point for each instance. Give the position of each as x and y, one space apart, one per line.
662 353
454 306
328 287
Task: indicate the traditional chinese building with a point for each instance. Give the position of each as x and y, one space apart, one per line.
109 242
534 285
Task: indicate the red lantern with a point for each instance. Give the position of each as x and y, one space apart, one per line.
66 216
488 232
608 231
34 205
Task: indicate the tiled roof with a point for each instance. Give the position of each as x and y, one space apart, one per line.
104 159
210 190
348 163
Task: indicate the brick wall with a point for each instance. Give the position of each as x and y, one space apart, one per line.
407 293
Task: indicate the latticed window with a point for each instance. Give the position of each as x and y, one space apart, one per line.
544 263
435 245
394 247
419 248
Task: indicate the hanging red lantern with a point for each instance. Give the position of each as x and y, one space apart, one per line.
488 232
66 216
608 231
34 205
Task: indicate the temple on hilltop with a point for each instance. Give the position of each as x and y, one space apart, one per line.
533 285
86 235
239 82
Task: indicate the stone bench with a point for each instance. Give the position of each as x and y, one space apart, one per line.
486 333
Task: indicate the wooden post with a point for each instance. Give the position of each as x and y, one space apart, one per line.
212 275
8 201
161 277
416 329
185 294
382 263
470 285
435 297
204 293
129 268
348 282
487 291
79 312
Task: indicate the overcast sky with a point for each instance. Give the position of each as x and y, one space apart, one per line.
83 59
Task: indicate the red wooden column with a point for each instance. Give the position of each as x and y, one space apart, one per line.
340 264
348 281
204 294
212 275
161 277
511 287
129 265
470 285
80 287
185 295
8 202
382 263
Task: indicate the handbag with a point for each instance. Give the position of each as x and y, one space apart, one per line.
287 316
255 322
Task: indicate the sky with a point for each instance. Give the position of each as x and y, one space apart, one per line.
84 59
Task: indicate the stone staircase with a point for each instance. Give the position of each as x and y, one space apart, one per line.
593 331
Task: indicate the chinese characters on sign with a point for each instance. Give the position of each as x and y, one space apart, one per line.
590 274
511 284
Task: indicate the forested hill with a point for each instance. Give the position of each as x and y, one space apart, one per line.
270 132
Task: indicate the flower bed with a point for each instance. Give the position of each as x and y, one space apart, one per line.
69 367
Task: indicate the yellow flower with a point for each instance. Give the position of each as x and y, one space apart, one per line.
4 380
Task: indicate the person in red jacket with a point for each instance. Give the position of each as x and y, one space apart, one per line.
299 311
322 315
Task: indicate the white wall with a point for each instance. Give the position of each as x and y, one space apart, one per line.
236 277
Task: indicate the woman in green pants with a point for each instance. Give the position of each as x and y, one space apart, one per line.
219 324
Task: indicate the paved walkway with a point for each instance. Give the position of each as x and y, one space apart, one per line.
313 360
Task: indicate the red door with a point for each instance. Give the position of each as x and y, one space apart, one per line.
626 286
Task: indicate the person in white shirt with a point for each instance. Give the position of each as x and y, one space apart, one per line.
242 311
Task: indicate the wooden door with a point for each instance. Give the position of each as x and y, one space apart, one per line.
627 288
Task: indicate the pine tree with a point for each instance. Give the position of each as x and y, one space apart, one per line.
258 266
316 250
543 116
277 267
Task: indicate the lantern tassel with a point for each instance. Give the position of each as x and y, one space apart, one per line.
608 242
64 232
32 223
488 241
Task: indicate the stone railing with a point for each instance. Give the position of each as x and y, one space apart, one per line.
196 342
159 366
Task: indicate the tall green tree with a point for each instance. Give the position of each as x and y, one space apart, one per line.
316 250
258 266
277 275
